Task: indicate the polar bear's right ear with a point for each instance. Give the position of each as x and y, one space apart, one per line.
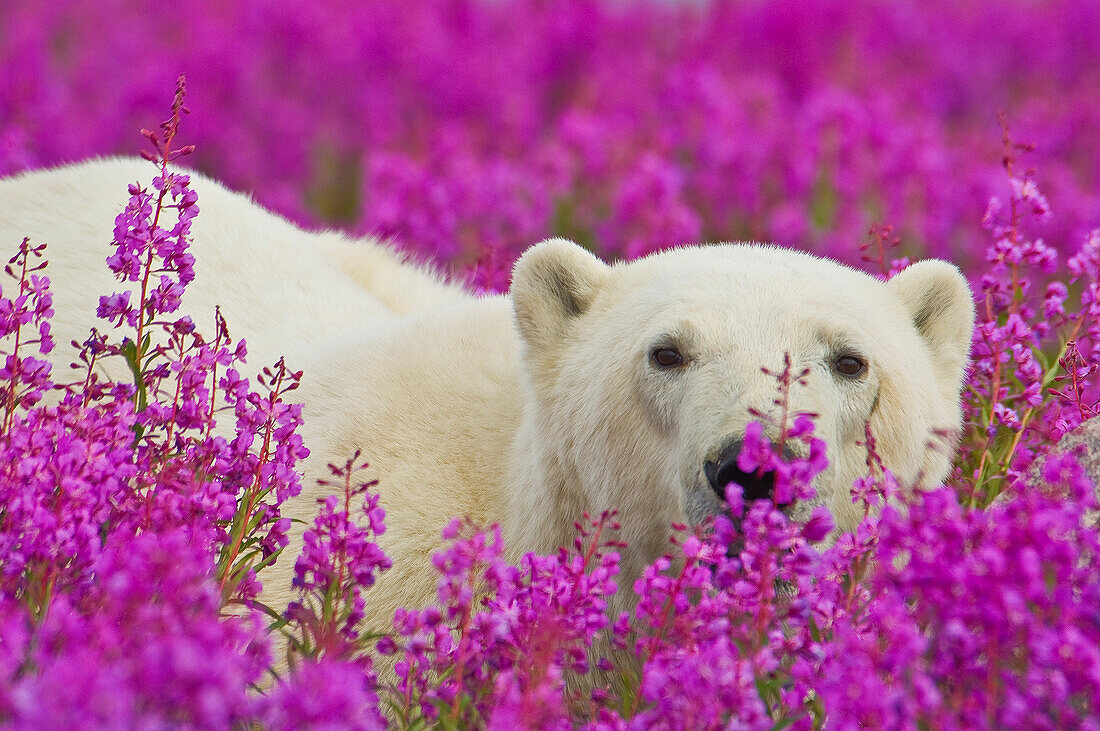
553 282
942 309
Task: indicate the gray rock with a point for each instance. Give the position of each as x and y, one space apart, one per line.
1085 438
1084 441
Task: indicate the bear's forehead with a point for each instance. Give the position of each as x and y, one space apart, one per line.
739 260
721 292
749 278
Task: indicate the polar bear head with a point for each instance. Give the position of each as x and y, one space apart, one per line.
642 376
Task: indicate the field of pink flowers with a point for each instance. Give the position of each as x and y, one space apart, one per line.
133 538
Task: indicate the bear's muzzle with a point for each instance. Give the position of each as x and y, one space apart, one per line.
756 485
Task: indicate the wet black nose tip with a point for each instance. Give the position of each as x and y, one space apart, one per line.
724 470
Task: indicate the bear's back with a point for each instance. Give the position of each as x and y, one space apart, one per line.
270 281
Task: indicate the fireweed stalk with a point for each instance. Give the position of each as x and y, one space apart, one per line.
26 377
339 561
116 498
1034 362
496 649
331 679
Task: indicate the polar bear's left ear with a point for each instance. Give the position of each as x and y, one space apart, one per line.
553 282
942 310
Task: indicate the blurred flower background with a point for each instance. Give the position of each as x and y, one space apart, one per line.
469 129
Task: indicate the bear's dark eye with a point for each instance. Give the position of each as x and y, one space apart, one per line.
850 366
666 357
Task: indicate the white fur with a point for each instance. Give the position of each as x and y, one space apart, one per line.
530 409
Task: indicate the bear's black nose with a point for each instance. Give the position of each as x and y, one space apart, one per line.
724 470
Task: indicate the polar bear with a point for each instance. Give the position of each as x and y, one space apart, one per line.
589 386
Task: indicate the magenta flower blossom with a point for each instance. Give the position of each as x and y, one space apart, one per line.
1003 636
325 694
126 526
24 317
1010 412
144 645
503 638
339 561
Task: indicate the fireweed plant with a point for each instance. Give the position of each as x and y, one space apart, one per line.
140 506
1034 373
131 533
